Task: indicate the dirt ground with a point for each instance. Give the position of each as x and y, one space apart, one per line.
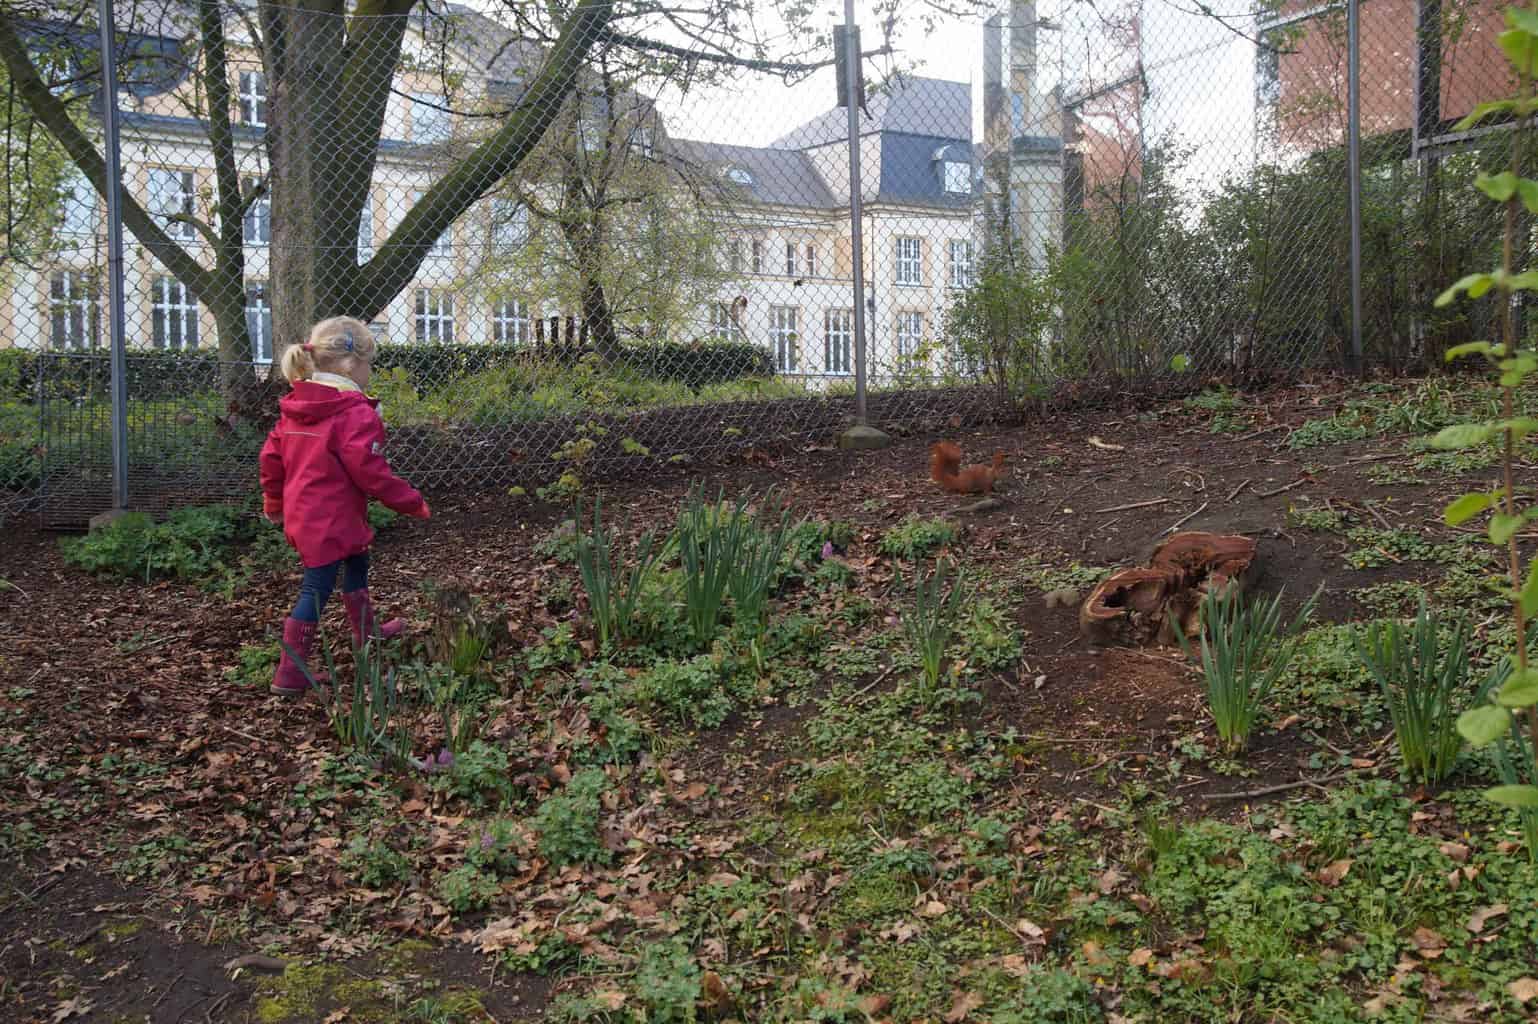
130 681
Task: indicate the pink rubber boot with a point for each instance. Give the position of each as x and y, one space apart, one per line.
360 614
290 680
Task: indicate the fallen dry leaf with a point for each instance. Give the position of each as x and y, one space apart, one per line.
1095 955
964 1004
713 993
872 1005
1031 931
1428 943
612 999
1457 852
1334 873
1109 880
1480 918
1523 990
79 1006
934 908
1140 957
338 1015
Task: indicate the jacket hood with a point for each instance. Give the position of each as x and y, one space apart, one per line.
309 402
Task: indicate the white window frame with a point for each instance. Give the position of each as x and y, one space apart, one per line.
811 259
173 191
957 177
724 326
758 255
910 333
173 313
259 321
785 337
366 230
253 99
910 261
77 206
430 123
256 227
433 316
838 341
792 258
443 245
643 141
511 323
74 318
509 222
963 263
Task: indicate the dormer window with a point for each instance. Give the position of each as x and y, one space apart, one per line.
954 168
739 175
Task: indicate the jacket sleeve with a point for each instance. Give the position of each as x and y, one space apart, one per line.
272 474
360 446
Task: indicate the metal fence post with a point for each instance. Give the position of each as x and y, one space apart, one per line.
1354 172
862 434
119 385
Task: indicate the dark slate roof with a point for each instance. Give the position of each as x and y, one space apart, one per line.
910 104
782 177
911 170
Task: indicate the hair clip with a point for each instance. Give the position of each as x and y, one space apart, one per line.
347 343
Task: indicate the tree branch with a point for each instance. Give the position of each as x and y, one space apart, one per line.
705 57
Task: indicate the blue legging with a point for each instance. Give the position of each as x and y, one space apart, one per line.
321 580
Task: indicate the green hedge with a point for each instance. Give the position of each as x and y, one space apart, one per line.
180 374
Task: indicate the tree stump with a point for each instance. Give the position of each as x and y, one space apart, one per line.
1155 604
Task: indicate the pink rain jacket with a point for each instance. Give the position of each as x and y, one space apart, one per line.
321 465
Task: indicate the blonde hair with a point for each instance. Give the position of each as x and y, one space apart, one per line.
333 344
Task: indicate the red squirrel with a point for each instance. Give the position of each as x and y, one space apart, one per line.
945 469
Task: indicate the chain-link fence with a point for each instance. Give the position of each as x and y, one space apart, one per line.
592 243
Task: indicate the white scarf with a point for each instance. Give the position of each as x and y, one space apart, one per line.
335 380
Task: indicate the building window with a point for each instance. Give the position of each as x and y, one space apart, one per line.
790 259
724 326
910 261
174 313
738 262
784 333
443 245
77 206
963 263
958 177
259 321
366 230
811 260
738 175
510 324
253 98
171 196
72 309
910 334
838 340
642 141
435 316
429 121
258 224
758 256
509 222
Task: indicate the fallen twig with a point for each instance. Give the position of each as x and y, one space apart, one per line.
169 987
1235 492
1250 794
862 691
1299 482
1261 433
1186 518
1128 508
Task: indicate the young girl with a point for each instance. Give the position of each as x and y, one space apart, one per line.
320 466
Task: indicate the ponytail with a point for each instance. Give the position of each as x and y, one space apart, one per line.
298 363
332 344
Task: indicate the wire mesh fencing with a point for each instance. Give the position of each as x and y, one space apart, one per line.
585 251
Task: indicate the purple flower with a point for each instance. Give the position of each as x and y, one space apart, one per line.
487 841
827 549
445 758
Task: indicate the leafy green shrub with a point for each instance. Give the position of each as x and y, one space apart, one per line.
1424 683
916 538
480 775
496 848
192 543
999 326
691 692
567 822
1244 650
988 639
560 544
467 888
254 664
374 863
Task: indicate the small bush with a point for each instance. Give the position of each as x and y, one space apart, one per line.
567 822
374 863
916 538
690 692
467 888
191 544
